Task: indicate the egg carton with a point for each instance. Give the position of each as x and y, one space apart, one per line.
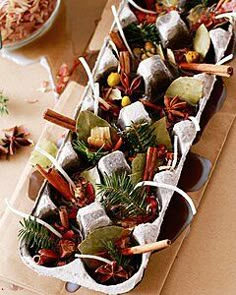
94 216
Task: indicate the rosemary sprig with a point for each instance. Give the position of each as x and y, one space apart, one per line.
3 104
116 255
35 235
118 190
81 148
140 136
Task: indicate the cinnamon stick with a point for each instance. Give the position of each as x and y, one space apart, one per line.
64 217
115 37
60 120
151 159
125 62
57 181
219 70
150 105
147 248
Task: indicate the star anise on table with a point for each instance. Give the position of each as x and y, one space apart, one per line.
113 271
15 138
175 109
3 151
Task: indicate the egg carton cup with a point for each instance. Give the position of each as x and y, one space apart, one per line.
88 216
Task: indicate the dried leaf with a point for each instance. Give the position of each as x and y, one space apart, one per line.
38 158
161 133
138 166
88 120
187 88
202 41
92 176
95 241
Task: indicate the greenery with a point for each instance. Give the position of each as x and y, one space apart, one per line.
3 104
139 34
118 190
140 136
35 234
81 148
116 254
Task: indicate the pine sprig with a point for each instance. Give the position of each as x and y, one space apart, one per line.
139 34
140 137
81 148
115 254
118 190
35 234
3 104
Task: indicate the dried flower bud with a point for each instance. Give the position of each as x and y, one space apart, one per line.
67 247
192 56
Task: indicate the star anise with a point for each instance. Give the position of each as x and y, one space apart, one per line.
129 86
14 139
3 151
175 109
67 248
113 271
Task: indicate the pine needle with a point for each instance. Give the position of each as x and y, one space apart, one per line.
35 235
3 104
140 137
116 255
139 34
118 190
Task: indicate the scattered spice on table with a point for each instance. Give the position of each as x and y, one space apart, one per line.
14 139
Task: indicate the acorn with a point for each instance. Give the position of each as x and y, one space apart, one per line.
192 56
113 79
125 101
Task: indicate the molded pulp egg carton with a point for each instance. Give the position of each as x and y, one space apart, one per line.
93 215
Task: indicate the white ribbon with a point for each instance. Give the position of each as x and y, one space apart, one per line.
170 187
120 29
38 220
56 164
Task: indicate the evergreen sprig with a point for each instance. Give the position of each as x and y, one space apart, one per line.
115 254
118 190
35 234
140 136
81 148
139 34
3 104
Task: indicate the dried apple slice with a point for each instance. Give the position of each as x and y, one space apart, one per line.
187 88
202 41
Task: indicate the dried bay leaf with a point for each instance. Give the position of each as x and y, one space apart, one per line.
95 240
92 176
161 133
88 120
37 158
202 41
188 89
138 166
